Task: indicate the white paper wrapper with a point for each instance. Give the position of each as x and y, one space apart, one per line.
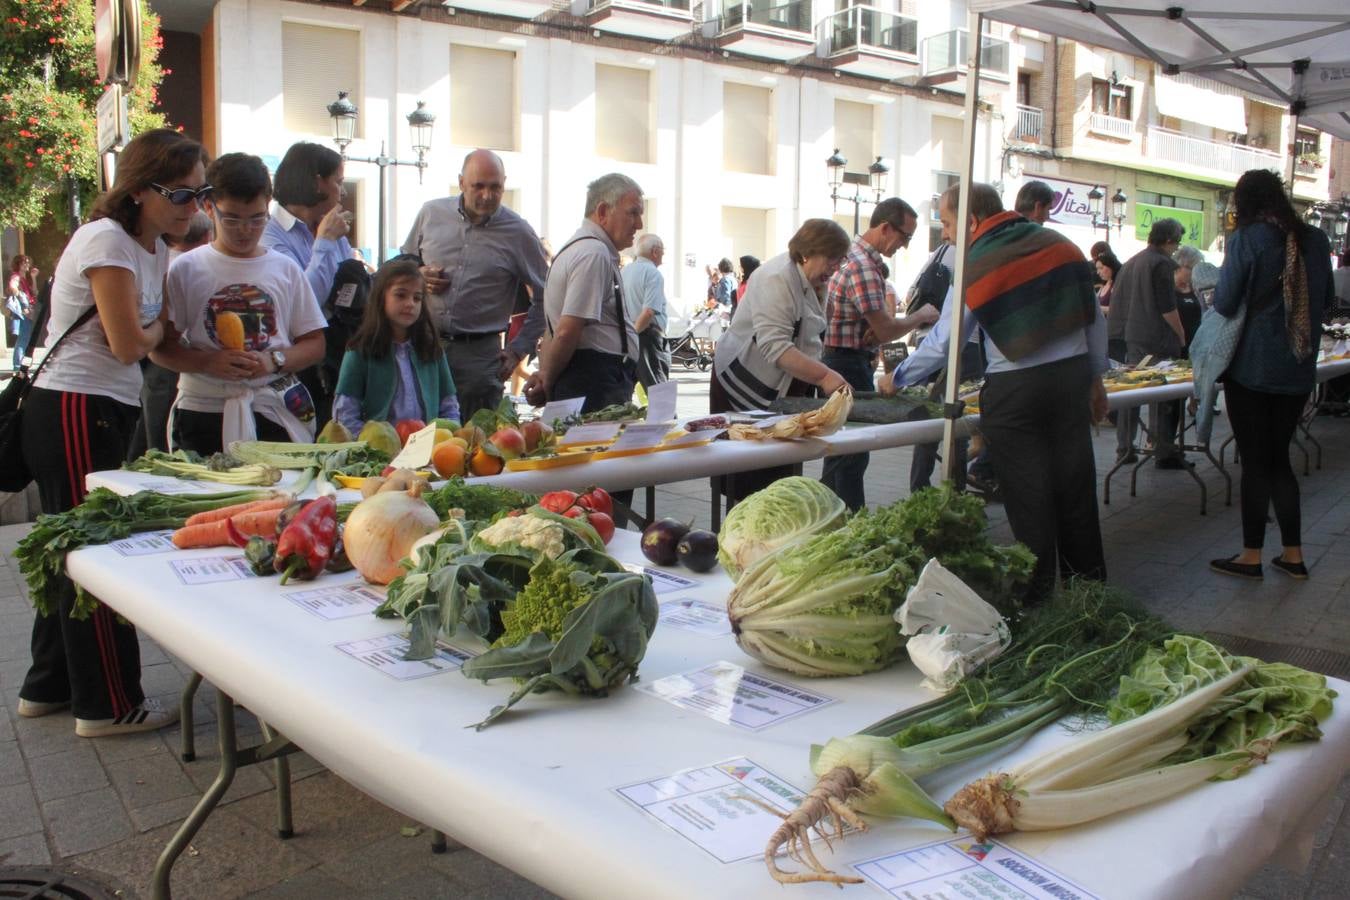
951 629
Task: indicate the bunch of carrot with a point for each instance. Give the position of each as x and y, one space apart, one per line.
229 525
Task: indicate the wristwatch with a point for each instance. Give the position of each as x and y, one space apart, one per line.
278 360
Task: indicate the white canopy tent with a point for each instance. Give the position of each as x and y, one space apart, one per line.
1298 56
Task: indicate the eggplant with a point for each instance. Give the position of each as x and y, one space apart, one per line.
660 540
698 550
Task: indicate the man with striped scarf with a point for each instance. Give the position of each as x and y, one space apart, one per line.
1029 290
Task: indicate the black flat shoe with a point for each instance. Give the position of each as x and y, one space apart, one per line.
1294 570
1175 462
1231 566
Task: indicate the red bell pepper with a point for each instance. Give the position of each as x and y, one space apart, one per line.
307 542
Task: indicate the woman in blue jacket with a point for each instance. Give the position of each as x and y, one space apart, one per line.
1281 268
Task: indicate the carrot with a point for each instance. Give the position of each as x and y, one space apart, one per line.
229 512
263 522
203 534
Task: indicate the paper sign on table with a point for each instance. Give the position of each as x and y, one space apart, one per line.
663 582
385 654
965 867
728 693
694 437
709 808
337 601
561 409
145 543
210 569
698 616
662 399
594 433
641 435
416 451
174 486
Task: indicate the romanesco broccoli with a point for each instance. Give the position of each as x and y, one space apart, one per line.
544 603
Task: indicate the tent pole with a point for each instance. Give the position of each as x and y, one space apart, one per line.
1299 67
955 307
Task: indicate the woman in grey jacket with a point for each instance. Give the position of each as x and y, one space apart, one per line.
1281 268
776 337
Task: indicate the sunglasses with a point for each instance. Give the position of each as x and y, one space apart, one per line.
182 196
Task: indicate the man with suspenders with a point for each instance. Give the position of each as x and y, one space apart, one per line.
591 348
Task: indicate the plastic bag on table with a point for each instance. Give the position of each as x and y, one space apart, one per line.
952 631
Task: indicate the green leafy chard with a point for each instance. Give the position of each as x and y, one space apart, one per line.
824 605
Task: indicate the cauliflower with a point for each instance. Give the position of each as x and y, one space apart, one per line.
527 532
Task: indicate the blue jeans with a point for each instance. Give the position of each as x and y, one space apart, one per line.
25 334
844 474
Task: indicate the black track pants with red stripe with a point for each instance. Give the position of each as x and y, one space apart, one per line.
96 662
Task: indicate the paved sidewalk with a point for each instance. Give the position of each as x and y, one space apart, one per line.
107 806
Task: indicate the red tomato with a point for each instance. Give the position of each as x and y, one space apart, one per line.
406 428
599 500
558 501
603 525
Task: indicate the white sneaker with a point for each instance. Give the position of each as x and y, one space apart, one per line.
149 716
33 709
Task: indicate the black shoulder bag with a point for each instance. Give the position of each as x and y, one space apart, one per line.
14 474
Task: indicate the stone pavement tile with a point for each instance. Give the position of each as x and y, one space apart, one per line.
18 811
14 645
480 877
128 746
76 770
45 736
161 679
367 869
305 886
86 822
228 858
26 850
149 780
332 819
247 781
13 770
148 818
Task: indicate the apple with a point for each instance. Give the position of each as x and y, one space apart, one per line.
406 428
536 434
509 442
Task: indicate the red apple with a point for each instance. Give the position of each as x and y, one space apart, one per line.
536 434
406 428
509 442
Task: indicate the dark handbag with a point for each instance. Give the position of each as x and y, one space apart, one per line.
14 474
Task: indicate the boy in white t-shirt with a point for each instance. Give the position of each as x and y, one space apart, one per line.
242 320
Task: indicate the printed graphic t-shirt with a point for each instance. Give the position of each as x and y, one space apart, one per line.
269 294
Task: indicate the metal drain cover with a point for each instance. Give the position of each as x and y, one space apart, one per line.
49 883
1337 665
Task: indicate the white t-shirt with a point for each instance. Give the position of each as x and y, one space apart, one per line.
84 363
269 293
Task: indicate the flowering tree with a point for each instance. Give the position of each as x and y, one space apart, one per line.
48 93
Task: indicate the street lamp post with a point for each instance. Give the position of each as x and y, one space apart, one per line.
343 113
1096 198
873 180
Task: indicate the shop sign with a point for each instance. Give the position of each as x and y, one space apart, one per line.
1071 205
1192 220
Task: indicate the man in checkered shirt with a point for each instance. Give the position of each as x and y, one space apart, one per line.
859 321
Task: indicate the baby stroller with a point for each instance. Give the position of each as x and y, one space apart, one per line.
695 346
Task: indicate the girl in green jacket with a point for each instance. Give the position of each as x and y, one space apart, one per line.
394 367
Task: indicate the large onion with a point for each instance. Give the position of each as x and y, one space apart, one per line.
382 529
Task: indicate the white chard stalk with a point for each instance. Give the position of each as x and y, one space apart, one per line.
1105 773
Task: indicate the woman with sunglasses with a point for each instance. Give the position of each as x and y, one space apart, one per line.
83 408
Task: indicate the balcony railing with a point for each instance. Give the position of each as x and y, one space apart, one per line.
638 4
1111 126
793 15
1028 124
946 52
869 28
1220 156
